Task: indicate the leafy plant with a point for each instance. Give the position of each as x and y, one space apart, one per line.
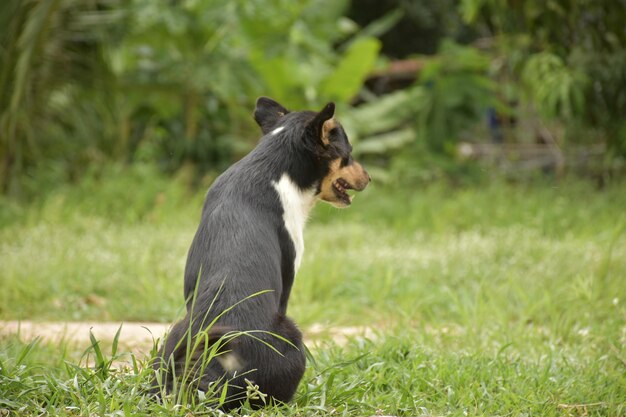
47 48
556 89
457 92
448 99
570 57
160 81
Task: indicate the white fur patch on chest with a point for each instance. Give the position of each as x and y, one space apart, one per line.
296 204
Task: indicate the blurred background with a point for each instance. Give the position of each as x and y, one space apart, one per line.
453 90
488 253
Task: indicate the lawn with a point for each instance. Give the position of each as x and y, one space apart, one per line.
493 299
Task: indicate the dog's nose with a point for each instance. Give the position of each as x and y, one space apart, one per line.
367 174
365 182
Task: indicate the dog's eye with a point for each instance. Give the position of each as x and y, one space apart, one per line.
346 160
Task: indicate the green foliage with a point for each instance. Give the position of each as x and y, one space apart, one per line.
346 79
556 89
48 48
297 86
570 56
298 65
171 83
421 125
457 91
450 95
181 72
419 27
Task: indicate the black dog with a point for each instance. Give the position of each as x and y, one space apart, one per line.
246 252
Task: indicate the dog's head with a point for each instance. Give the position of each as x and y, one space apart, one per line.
324 136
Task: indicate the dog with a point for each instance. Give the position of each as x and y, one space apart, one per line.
246 253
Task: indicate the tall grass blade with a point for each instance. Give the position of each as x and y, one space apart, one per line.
116 340
26 351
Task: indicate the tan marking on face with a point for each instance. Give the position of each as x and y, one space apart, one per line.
326 189
328 125
354 174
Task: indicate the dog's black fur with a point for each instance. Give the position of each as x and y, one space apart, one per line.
242 247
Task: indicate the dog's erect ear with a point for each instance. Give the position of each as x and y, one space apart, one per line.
267 113
323 123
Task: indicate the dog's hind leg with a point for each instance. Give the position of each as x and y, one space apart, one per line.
285 372
165 365
274 364
279 368
183 354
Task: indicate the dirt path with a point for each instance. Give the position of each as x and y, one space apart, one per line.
139 337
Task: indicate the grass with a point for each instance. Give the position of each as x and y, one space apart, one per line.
497 299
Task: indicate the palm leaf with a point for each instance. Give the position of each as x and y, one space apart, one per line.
46 45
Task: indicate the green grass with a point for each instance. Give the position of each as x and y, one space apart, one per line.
496 299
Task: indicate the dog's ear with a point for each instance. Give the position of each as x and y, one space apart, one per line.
323 123
267 113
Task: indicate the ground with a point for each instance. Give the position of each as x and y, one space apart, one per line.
497 299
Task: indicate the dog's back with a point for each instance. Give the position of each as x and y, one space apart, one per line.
244 256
